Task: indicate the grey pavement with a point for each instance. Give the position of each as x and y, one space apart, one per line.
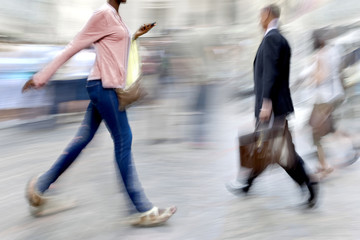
174 173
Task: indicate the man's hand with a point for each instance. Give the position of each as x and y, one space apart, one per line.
265 111
28 85
144 29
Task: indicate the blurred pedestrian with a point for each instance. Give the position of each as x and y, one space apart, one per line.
202 88
324 75
112 39
273 97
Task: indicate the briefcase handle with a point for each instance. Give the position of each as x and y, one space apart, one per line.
270 125
260 141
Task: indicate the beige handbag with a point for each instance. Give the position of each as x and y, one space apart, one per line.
130 95
133 91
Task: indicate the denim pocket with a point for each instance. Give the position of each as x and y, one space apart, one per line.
93 83
93 88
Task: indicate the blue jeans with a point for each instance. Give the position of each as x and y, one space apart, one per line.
103 106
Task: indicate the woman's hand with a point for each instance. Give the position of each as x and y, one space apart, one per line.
144 29
29 85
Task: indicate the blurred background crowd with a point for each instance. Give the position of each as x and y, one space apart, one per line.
198 57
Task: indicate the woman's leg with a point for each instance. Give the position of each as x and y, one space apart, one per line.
84 135
117 123
321 156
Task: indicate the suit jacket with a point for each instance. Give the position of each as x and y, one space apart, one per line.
271 74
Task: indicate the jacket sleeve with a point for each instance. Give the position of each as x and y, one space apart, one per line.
272 48
95 29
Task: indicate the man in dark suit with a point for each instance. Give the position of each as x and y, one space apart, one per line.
271 69
272 94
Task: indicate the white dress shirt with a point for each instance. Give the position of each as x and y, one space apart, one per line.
274 24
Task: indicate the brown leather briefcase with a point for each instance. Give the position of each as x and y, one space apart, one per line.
264 147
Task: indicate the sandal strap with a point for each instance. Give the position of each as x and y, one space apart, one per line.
154 211
154 216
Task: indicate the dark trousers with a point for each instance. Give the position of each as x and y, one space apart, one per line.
296 169
296 172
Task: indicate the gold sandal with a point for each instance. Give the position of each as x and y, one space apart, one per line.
153 217
34 198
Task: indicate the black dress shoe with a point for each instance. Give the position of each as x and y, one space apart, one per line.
238 188
245 189
314 194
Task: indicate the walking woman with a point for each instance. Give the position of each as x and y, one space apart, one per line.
324 76
111 38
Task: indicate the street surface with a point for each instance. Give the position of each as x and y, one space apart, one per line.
173 172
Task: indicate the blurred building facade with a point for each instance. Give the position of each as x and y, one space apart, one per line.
51 21
232 22
225 33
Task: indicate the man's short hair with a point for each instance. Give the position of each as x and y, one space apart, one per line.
274 10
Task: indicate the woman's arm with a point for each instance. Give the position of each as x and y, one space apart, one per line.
321 72
95 29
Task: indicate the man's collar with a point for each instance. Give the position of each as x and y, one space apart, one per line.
272 25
